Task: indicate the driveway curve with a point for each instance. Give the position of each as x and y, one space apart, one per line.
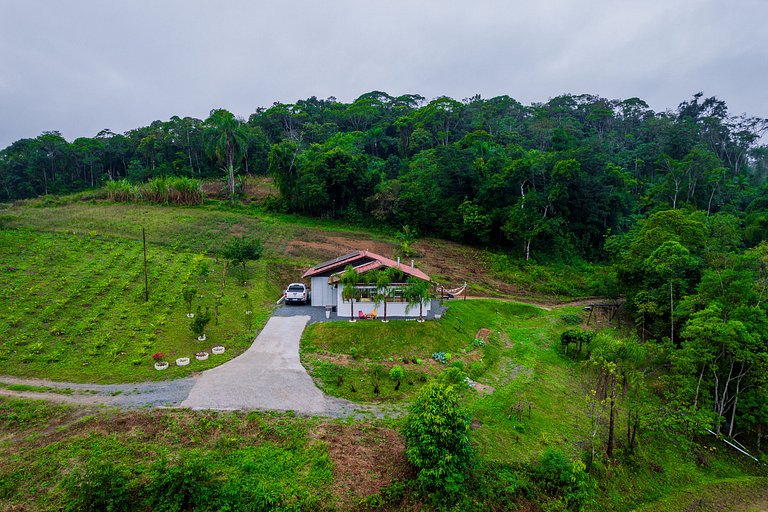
268 375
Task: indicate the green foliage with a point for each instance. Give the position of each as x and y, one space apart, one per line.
565 478
396 373
200 321
578 337
162 189
241 250
436 432
185 484
571 319
188 293
101 486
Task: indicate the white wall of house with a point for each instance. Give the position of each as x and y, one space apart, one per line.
323 294
367 307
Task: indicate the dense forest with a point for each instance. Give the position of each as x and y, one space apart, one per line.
546 181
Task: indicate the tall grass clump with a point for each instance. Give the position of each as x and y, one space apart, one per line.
161 189
121 190
172 190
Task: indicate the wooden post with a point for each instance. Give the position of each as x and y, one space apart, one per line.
146 278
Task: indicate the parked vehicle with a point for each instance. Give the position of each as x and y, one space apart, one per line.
296 292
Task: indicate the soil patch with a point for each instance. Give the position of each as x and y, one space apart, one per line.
483 334
365 459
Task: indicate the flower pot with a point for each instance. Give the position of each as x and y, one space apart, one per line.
202 338
182 361
162 365
190 315
201 356
217 350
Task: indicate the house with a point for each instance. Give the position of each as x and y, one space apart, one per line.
327 289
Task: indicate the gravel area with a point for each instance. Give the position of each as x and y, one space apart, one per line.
128 396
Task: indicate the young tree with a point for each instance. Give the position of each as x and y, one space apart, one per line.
436 434
188 293
239 251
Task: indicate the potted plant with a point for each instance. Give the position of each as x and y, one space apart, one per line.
182 361
201 356
159 363
217 350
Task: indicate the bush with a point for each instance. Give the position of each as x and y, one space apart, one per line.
187 484
558 476
99 487
396 373
436 433
571 319
578 337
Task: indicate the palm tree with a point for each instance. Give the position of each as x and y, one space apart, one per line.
349 279
382 280
227 143
417 292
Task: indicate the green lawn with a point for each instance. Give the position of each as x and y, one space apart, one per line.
73 307
268 462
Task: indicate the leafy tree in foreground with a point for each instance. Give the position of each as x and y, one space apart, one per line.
437 442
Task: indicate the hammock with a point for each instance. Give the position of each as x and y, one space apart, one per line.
453 292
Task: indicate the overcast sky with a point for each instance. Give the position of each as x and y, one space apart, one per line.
81 66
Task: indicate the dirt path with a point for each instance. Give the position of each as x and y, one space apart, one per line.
545 305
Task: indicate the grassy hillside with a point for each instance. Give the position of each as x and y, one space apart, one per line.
72 308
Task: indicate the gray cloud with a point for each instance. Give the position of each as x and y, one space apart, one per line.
81 66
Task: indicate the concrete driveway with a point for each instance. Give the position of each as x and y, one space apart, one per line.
268 375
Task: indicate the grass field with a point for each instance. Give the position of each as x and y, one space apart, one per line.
520 361
74 309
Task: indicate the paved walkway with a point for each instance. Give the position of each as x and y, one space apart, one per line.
268 375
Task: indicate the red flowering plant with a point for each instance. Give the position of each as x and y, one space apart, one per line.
158 357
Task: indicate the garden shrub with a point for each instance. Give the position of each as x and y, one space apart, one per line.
186 484
563 478
571 319
99 487
436 432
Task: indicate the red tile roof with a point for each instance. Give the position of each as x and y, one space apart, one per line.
378 262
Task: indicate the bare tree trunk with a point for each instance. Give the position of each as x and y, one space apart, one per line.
733 409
